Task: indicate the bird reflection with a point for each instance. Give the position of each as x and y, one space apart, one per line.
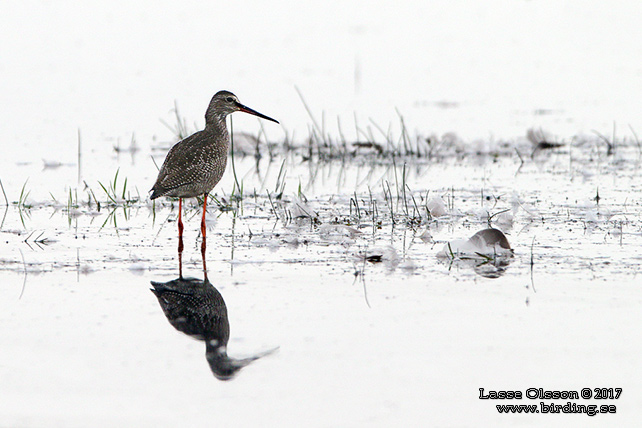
488 268
180 256
195 307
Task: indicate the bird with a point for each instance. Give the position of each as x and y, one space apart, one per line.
195 165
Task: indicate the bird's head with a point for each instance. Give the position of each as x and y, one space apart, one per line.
224 103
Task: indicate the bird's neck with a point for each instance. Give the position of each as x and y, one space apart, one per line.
216 124
218 128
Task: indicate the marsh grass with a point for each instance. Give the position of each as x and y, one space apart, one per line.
613 142
224 204
22 199
383 143
396 204
490 217
373 143
179 129
4 194
113 193
6 205
117 195
637 140
23 206
279 187
322 145
237 186
610 143
354 200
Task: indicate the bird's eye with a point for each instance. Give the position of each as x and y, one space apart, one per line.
229 99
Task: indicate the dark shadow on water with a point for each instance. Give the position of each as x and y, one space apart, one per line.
195 307
488 268
492 268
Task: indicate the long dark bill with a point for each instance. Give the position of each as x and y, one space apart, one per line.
245 109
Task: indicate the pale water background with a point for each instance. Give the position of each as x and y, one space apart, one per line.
408 343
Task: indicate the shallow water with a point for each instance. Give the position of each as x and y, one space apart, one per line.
345 272
400 337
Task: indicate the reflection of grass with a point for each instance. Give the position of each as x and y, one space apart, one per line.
112 217
112 192
39 240
23 206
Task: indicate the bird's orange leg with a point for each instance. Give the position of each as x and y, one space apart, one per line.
203 228
180 237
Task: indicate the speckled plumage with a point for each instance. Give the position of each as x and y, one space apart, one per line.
195 165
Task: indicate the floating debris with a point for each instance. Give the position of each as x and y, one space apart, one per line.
426 236
437 207
485 244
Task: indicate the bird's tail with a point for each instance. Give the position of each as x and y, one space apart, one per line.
156 193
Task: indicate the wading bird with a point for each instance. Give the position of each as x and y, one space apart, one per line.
195 165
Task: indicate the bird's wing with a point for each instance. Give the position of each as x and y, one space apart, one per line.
183 164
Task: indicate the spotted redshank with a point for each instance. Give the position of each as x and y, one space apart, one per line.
195 165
